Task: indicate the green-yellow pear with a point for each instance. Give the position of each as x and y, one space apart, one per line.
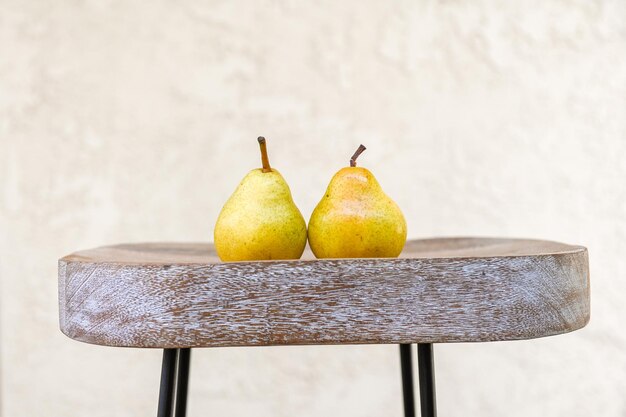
260 220
355 218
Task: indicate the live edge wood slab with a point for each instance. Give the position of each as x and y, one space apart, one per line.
173 295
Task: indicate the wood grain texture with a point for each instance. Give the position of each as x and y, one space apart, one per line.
166 295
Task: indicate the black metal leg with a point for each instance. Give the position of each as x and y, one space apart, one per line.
182 382
174 382
406 367
427 379
168 380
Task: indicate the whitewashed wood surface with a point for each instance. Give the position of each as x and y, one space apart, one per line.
165 295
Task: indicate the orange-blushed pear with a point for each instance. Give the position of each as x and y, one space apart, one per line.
260 221
355 218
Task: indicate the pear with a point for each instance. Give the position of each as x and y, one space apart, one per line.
355 218
260 220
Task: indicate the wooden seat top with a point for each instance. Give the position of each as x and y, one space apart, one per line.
166 295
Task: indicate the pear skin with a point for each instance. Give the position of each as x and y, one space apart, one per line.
356 219
260 221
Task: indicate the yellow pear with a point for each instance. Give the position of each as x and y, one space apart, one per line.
260 220
355 218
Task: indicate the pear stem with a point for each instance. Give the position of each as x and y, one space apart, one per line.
264 159
358 152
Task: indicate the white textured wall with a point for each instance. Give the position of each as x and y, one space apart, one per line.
133 121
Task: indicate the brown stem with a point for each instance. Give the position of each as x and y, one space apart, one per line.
358 152
264 159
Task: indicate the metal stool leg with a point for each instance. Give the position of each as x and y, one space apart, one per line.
182 382
427 379
406 367
168 379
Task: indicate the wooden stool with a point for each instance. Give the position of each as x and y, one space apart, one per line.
177 296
